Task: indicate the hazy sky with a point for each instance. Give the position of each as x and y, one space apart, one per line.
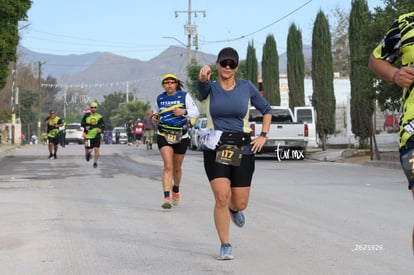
137 28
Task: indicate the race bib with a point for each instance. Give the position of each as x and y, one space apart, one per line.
172 137
229 155
87 143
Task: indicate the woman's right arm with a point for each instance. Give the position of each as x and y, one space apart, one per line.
204 81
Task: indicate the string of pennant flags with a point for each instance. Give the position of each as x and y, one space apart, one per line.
105 84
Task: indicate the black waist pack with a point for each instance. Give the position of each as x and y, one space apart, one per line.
163 128
238 139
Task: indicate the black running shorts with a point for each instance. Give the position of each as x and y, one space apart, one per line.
179 148
240 176
55 140
94 142
407 163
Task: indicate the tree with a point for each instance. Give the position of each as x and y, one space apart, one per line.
11 12
131 110
270 71
24 80
193 71
388 95
340 39
242 70
323 98
362 96
109 108
295 67
251 64
28 111
49 100
27 85
116 111
27 105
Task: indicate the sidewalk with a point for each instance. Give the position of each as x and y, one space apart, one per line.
388 158
7 147
339 151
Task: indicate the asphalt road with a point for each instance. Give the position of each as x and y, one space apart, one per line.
304 217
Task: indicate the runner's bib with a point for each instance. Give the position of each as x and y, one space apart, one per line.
87 143
172 136
229 155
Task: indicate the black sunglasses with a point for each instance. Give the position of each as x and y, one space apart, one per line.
230 63
93 107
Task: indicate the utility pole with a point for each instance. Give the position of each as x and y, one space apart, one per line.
13 93
12 103
190 29
127 92
64 103
196 47
39 87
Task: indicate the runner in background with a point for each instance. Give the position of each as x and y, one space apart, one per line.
53 123
149 129
93 125
139 131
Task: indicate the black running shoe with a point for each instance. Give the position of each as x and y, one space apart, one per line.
88 156
95 165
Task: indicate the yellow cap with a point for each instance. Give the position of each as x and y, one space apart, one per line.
93 104
167 76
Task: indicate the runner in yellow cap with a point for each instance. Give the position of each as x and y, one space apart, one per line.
174 107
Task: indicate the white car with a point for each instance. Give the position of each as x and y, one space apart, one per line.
74 133
200 125
123 137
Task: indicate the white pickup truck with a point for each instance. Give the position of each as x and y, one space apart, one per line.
287 131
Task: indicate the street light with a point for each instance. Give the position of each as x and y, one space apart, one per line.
188 48
170 37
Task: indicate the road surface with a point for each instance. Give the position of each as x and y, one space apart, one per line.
304 217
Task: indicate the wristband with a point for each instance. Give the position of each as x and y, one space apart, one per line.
263 134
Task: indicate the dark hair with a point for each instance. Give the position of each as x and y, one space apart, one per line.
180 85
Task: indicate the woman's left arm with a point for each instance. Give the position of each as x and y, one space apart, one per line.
191 108
258 142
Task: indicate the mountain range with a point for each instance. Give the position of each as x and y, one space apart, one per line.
101 73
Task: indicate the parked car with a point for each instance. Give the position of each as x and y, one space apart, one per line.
123 138
200 125
74 133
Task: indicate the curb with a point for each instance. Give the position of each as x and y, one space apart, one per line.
388 159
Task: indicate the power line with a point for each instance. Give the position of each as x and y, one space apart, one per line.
108 84
85 39
261 29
